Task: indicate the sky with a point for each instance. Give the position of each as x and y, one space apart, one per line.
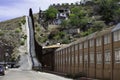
10 9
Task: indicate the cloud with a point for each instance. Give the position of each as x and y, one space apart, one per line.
14 8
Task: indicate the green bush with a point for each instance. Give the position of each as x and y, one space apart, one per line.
22 42
26 53
42 39
17 30
37 29
23 21
65 41
25 37
1 33
19 24
84 34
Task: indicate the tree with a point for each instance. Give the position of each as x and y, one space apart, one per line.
74 20
117 15
107 9
64 24
76 16
51 13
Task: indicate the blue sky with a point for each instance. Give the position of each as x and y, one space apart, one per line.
14 8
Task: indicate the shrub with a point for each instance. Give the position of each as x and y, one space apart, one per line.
22 42
65 41
17 30
37 29
42 39
24 37
23 21
19 24
26 53
1 33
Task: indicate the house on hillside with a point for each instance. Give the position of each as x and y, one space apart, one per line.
62 14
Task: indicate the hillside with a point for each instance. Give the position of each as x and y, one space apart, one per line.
10 30
75 20
11 35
